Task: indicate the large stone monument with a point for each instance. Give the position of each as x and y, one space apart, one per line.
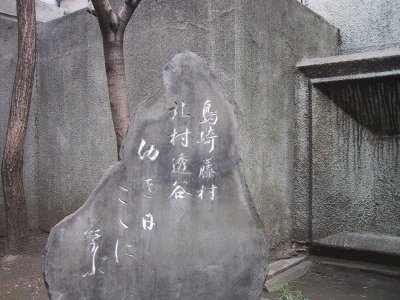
173 219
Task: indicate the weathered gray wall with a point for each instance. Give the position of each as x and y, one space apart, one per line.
356 182
8 7
349 105
76 139
364 25
252 46
8 51
44 11
272 36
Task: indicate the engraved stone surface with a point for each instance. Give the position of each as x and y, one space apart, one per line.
173 219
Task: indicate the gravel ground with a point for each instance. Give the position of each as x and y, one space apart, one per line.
21 275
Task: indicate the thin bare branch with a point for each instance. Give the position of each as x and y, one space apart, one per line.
90 9
108 20
126 12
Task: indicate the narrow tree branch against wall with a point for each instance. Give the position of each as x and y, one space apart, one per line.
13 156
112 28
126 12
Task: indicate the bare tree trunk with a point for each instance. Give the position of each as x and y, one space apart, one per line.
13 156
112 29
115 69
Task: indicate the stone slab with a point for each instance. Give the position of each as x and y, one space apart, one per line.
350 64
278 281
371 242
282 265
392 271
174 218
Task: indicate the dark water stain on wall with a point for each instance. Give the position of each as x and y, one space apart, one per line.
365 164
374 103
352 138
367 104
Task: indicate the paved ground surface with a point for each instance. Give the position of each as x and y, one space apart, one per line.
330 282
21 278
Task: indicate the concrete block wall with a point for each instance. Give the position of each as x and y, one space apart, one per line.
365 25
251 45
76 140
271 37
45 11
355 174
352 153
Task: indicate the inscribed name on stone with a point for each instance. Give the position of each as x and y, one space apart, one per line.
173 219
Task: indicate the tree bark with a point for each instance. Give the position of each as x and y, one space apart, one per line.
112 29
116 80
13 156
